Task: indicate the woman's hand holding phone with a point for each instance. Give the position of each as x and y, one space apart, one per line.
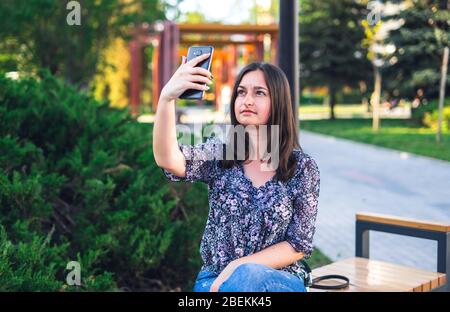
187 76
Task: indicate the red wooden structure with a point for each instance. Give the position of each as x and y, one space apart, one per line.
171 40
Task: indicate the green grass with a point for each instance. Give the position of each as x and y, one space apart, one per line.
318 259
399 134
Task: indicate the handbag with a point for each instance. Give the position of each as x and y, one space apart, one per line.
315 283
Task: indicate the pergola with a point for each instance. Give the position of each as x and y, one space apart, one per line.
168 36
171 40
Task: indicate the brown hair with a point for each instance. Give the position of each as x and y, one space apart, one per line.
281 114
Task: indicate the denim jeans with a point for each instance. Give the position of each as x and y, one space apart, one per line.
251 277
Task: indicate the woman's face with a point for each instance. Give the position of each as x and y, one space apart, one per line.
252 105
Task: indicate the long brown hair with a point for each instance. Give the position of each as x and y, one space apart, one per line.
281 114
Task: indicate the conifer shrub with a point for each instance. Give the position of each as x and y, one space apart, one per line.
78 182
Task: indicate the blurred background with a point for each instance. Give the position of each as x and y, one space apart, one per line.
79 87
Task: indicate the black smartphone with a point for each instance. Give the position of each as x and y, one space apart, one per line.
193 52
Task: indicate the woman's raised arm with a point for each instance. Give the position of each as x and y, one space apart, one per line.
165 145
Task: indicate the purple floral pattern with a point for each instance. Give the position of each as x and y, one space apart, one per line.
244 219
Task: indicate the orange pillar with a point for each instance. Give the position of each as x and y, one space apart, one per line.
259 46
155 75
167 53
231 73
135 75
273 49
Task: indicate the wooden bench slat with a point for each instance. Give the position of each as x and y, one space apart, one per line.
350 288
400 272
405 222
435 283
426 286
388 267
396 271
361 279
433 276
442 280
392 277
361 282
374 275
374 263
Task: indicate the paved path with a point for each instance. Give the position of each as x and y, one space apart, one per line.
359 177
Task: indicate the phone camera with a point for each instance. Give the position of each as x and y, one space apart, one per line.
197 53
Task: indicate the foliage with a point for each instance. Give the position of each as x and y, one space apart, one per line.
112 81
78 182
431 119
330 45
35 33
419 42
427 113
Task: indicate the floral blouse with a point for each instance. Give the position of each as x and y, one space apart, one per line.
244 219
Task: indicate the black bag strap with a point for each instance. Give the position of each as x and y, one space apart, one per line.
314 283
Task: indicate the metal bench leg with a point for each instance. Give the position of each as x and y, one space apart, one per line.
362 241
444 258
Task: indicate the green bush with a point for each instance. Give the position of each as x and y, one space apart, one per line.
352 97
78 181
307 98
424 112
430 119
29 265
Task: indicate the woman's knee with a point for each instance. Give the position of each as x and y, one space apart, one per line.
204 281
245 277
258 277
251 269
203 285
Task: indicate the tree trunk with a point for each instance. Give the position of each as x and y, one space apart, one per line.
442 93
332 95
376 100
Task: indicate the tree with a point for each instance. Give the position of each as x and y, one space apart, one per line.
37 33
420 43
330 45
194 18
264 12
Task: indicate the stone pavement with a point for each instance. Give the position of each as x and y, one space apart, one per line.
360 177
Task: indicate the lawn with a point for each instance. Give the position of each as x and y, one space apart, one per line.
318 259
399 134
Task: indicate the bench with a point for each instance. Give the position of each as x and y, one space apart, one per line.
373 275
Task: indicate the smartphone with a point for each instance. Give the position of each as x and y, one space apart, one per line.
193 52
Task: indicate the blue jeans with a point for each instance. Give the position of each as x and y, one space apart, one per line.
251 277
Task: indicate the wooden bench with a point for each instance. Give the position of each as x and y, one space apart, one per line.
372 275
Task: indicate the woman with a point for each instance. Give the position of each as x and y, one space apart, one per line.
261 222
